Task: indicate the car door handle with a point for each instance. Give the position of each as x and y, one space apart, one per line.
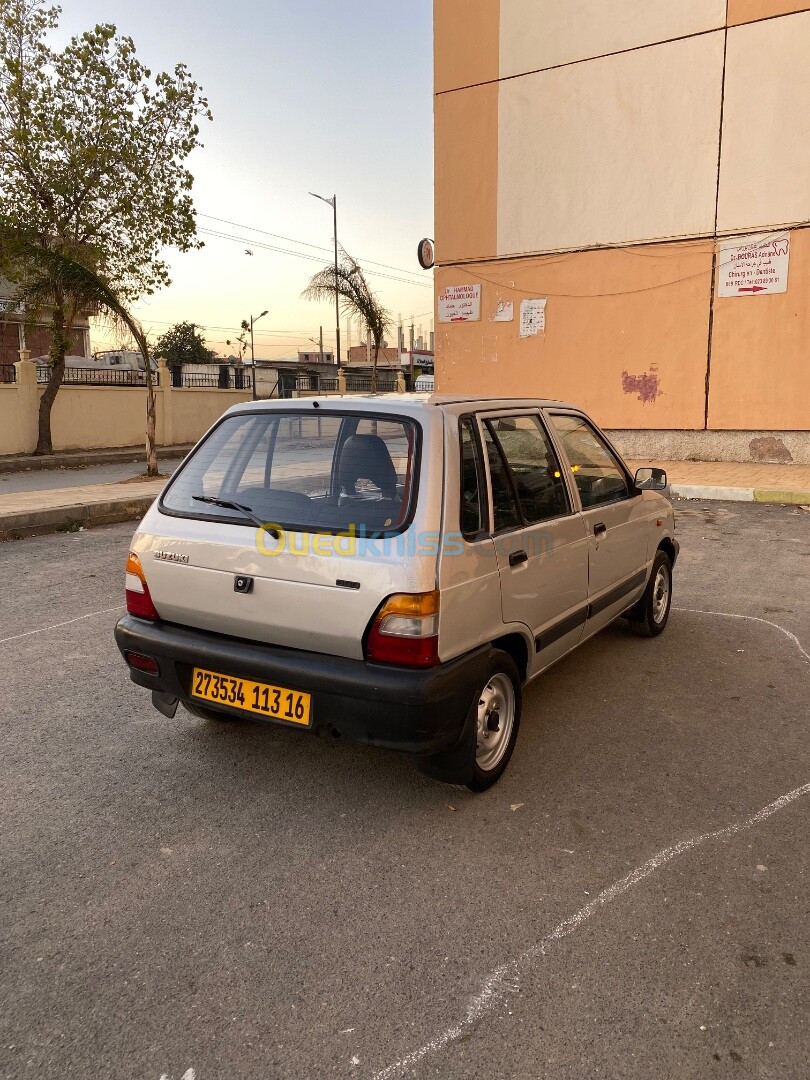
599 528
518 557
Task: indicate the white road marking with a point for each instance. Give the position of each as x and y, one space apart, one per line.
57 626
505 979
750 618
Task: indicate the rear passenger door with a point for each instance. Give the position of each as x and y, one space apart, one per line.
540 540
615 519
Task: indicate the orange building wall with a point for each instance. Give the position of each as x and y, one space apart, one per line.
626 333
761 354
743 11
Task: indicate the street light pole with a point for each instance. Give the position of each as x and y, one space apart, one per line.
252 353
333 203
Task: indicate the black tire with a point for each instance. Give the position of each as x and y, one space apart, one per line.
472 762
649 617
203 713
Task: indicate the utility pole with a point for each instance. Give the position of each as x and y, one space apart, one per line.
412 353
321 342
333 203
252 352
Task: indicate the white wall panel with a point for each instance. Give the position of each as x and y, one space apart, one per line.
538 34
616 150
765 170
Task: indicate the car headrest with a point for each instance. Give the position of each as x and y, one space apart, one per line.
366 457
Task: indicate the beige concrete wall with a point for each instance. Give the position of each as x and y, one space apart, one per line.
765 166
536 34
90 417
625 336
617 150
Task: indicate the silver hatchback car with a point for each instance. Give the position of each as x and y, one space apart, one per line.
391 570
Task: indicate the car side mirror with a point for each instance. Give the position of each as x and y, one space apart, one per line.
651 480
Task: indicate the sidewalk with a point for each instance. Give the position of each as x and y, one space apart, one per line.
76 459
30 512
731 481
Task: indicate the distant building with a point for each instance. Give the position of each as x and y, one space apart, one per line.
16 335
313 356
422 358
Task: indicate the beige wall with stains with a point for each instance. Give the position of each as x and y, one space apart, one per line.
579 159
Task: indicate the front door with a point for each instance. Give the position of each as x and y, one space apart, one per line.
540 541
615 520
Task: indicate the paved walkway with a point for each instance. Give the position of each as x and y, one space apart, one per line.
734 474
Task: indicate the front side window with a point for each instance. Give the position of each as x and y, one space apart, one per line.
534 467
599 477
323 472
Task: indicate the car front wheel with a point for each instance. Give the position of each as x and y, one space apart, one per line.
650 615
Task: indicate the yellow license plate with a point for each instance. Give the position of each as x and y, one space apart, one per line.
277 702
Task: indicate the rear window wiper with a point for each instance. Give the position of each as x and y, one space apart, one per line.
228 504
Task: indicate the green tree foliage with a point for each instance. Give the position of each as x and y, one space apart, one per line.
92 160
183 344
357 301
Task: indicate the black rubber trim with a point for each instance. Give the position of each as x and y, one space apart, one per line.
560 629
616 594
419 711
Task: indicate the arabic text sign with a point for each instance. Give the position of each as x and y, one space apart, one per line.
532 317
460 303
11 307
755 266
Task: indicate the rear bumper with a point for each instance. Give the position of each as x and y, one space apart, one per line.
419 712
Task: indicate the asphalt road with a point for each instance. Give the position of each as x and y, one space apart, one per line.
182 899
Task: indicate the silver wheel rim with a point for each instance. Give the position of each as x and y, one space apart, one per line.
660 597
496 718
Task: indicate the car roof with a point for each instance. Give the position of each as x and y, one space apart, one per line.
399 403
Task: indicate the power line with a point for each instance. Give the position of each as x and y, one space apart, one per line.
303 255
303 243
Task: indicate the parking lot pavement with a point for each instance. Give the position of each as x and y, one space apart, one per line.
230 901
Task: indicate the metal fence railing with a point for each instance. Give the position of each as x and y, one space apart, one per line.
8 373
96 377
221 379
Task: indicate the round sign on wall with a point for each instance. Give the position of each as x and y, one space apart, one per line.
426 254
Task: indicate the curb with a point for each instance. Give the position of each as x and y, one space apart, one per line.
77 459
740 494
71 518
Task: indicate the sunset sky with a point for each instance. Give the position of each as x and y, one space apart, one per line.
311 96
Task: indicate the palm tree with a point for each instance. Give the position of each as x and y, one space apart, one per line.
64 279
357 301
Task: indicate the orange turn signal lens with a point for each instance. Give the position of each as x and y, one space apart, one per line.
412 605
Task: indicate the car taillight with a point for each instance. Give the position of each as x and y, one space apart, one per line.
139 602
405 631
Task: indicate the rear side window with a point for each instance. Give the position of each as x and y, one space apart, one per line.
504 506
473 484
327 472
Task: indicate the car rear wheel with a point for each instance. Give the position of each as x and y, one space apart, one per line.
490 731
650 615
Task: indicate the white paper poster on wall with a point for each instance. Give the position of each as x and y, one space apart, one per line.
754 266
532 317
460 303
505 312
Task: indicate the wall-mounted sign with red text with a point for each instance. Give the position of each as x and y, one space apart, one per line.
754 265
460 303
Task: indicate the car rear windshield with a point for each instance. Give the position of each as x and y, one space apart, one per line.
323 472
